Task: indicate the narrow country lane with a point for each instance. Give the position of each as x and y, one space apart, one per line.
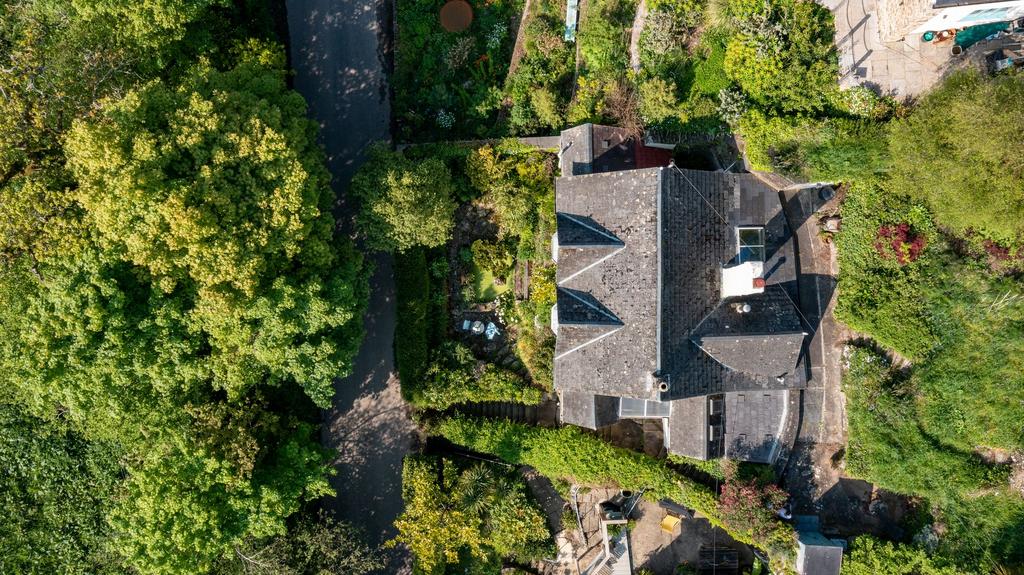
338 52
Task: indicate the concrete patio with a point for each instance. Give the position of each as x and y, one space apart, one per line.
902 69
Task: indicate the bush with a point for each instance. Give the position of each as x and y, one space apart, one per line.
455 376
412 289
568 453
782 55
870 556
878 295
832 149
495 256
962 151
474 517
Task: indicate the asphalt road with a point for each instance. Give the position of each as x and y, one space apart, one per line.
338 52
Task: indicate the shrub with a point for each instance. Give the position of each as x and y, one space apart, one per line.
782 55
456 376
493 256
474 517
832 149
748 507
412 289
879 295
968 180
403 203
900 243
870 556
568 453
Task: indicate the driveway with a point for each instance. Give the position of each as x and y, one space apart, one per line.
338 52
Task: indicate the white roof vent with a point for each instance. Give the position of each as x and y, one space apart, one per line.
746 278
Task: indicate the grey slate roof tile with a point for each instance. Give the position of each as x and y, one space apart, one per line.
660 279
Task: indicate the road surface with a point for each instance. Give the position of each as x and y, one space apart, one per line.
338 52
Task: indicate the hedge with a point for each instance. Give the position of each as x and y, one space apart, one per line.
568 453
412 287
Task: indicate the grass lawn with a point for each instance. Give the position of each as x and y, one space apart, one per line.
485 286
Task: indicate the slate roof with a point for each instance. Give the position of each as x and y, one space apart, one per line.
818 555
593 149
640 254
619 356
752 424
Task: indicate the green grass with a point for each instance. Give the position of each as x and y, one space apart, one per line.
485 286
917 430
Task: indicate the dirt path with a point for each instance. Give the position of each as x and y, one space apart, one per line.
339 50
634 37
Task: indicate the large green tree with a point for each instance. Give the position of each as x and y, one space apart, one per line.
204 302
55 490
962 150
404 203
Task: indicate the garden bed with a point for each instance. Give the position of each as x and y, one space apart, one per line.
448 85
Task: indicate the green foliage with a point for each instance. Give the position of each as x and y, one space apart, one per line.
473 517
404 203
183 509
658 102
148 23
870 556
749 507
888 446
449 84
878 295
712 467
456 376
782 55
544 75
984 532
314 544
518 182
55 492
960 151
495 256
603 35
568 453
202 302
412 293
830 149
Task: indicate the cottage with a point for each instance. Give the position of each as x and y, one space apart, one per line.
676 293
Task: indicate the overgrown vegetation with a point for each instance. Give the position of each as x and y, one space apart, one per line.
176 303
569 454
960 151
934 427
438 367
450 83
468 518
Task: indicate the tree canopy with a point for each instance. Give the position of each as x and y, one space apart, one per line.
404 203
200 304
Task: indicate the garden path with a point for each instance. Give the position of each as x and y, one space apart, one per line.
634 37
339 50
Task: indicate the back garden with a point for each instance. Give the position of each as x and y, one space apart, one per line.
930 264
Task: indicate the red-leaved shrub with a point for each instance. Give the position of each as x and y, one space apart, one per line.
900 242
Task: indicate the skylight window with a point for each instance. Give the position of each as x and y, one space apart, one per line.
643 408
751 242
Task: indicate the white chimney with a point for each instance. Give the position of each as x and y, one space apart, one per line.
742 279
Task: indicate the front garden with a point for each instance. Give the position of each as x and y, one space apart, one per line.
473 270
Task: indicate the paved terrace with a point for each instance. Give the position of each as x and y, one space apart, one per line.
903 68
